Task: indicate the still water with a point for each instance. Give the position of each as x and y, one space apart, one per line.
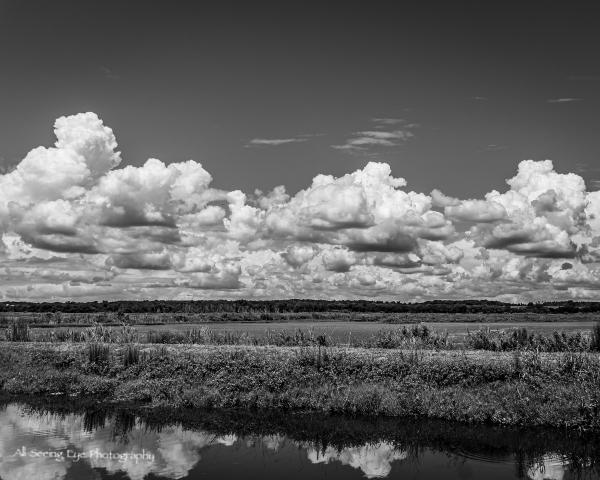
57 443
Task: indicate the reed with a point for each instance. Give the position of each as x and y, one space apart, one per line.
98 353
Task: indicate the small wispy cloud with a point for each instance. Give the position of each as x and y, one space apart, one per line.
382 136
375 138
273 142
479 99
595 184
388 121
564 100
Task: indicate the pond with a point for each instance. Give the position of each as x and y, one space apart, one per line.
55 442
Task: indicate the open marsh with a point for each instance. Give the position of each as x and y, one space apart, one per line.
345 332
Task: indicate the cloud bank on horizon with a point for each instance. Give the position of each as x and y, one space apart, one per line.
76 225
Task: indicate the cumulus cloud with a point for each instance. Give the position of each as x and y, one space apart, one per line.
481 211
84 151
439 199
75 223
141 261
298 255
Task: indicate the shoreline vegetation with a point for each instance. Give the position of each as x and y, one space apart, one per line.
415 336
525 385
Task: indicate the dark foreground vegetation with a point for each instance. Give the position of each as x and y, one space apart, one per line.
521 388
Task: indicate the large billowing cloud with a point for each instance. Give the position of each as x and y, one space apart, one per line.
75 224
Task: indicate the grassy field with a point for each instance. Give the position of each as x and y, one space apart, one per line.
517 388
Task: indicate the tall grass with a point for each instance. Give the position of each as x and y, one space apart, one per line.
408 337
131 355
98 353
523 339
18 332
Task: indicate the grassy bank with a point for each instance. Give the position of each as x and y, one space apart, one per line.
520 389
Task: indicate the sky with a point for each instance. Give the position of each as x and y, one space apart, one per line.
395 150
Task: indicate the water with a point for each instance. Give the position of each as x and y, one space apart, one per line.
58 443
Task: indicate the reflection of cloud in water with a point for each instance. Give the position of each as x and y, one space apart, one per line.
273 442
375 460
22 468
25 468
551 467
179 449
176 450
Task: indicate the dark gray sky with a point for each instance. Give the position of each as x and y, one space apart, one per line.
179 80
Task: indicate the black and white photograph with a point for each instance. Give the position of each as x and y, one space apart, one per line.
299 240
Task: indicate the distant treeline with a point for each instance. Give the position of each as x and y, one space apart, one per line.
300 305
